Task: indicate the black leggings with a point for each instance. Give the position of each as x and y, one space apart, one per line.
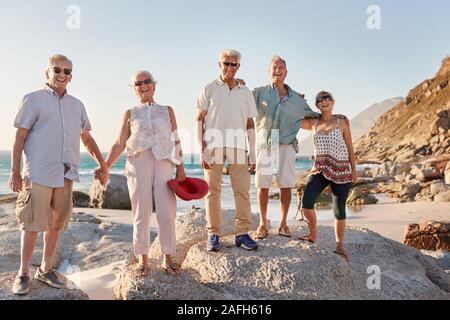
316 184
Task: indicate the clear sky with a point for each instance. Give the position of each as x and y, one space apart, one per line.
327 45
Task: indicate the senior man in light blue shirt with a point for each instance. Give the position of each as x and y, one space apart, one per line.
50 123
280 111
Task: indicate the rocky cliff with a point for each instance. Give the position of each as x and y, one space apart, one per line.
415 129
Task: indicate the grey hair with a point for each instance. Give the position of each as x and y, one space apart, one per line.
144 72
230 53
55 57
278 58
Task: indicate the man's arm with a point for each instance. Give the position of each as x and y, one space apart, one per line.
200 133
251 135
94 151
15 178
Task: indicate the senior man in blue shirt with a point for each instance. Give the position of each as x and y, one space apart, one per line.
280 112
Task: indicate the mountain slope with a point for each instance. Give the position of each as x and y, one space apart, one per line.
415 128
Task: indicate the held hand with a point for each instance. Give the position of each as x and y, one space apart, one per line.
102 174
15 182
251 168
180 174
241 81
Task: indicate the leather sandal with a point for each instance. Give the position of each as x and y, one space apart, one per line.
261 232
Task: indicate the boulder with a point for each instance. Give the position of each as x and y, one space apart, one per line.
438 186
80 199
112 196
442 197
428 235
190 228
447 173
39 291
358 196
428 172
440 125
285 268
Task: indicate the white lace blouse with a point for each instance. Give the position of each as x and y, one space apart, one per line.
151 129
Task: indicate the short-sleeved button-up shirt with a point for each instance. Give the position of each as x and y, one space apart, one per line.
279 121
55 124
227 113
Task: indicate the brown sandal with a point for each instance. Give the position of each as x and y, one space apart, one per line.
285 232
261 232
172 270
142 270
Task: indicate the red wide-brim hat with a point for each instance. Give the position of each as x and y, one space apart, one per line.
189 189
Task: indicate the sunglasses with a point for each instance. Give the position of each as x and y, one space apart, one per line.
230 64
325 98
58 70
141 82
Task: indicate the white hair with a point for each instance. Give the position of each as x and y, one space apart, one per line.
277 58
144 72
230 53
56 57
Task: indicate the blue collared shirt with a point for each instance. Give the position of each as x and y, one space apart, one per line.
279 121
54 126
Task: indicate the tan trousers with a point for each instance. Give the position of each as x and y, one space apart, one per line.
240 183
146 175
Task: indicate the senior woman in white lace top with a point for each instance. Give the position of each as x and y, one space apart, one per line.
149 133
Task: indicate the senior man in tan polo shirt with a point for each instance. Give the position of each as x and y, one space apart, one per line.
225 115
49 125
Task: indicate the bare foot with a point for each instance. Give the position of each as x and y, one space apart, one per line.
342 253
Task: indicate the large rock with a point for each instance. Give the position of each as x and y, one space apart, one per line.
39 291
428 235
438 186
447 173
359 196
112 196
442 197
80 199
284 268
190 228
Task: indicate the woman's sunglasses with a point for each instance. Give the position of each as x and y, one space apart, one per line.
58 70
140 83
325 98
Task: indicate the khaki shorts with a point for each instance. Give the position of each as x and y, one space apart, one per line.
280 164
40 208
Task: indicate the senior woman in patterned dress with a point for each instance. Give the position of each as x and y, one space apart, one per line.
149 133
334 166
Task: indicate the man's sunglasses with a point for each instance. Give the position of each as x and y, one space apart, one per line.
58 70
141 82
325 98
230 64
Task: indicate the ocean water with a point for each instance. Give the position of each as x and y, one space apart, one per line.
193 169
